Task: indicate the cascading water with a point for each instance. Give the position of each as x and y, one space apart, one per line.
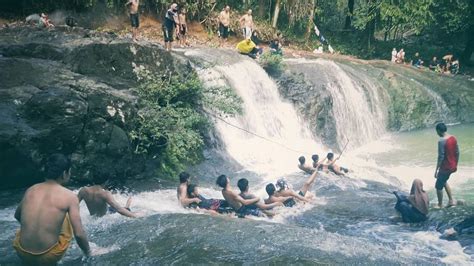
282 135
344 225
359 105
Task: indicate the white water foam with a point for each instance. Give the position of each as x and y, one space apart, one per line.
266 115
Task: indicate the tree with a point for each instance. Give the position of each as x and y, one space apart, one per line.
455 19
276 13
350 13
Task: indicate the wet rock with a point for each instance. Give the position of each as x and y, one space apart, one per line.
60 92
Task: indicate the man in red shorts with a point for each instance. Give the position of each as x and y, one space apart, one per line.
448 157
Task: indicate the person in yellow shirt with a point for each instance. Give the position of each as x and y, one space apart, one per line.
247 47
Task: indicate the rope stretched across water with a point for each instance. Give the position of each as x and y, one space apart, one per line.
256 135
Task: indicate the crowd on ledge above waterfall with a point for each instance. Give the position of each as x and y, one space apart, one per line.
448 64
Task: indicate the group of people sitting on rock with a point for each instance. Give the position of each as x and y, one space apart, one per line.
252 46
447 65
243 203
326 165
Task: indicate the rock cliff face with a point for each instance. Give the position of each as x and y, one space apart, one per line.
70 92
359 100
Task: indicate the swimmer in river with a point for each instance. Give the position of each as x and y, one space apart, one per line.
286 201
182 190
49 217
319 166
331 164
282 191
100 201
213 205
241 206
309 169
243 185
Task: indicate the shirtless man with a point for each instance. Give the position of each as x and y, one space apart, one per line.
243 185
98 199
305 167
183 191
241 206
49 216
183 27
331 163
319 166
224 22
134 19
246 23
285 191
272 198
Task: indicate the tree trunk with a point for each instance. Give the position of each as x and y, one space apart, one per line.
370 25
276 13
309 26
350 6
466 55
261 9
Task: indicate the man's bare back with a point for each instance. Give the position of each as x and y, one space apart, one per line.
42 212
97 199
246 21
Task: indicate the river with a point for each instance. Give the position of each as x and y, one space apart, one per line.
351 221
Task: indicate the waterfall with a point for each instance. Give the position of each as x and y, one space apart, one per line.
359 104
282 135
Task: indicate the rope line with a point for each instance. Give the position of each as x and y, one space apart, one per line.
256 135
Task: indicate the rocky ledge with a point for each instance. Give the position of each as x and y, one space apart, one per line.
70 90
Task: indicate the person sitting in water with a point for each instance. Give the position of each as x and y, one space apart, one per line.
414 208
331 164
183 190
285 191
272 198
239 204
247 47
318 165
243 185
215 205
49 216
99 201
305 167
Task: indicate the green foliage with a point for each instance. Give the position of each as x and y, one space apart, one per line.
272 62
411 15
172 125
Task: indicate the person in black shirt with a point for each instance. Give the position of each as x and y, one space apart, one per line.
170 23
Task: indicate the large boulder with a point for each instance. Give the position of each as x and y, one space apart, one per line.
71 92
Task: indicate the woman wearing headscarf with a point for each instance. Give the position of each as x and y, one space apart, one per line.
414 208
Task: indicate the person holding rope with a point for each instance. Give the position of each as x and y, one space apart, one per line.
331 164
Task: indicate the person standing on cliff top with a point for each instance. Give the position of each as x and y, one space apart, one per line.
134 19
448 158
183 28
247 25
224 22
170 22
49 217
